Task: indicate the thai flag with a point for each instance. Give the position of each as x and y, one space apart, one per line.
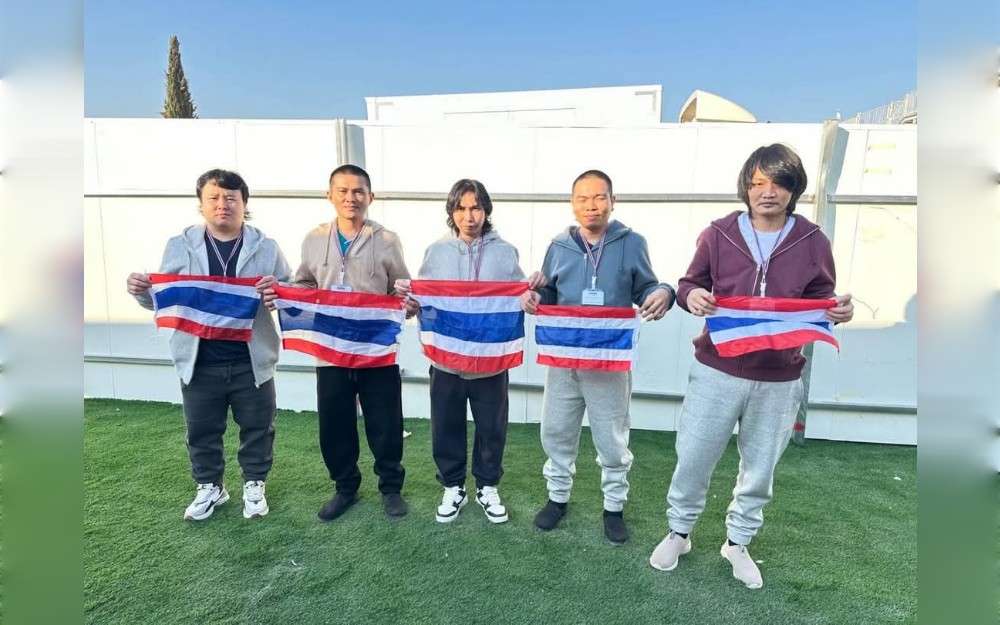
346 329
587 337
210 307
748 324
475 327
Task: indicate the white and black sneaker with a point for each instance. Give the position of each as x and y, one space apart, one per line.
254 502
489 498
451 504
205 501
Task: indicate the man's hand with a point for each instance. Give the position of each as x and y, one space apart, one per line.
265 286
843 311
529 302
138 283
656 305
537 280
402 287
410 305
700 303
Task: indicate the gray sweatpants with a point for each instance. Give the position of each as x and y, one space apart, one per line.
605 396
714 403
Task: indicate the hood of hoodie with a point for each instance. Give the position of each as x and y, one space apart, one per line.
194 239
729 227
616 230
451 258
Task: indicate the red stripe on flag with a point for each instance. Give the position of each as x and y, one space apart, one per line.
203 331
350 299
337 358
473 364
591 312
164 278
583 363
785 340
463 288
773 304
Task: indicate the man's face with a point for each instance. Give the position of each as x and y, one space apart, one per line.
222 208
768 199
592 203
469 216
350 196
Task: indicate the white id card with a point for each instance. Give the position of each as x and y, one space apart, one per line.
592 297
341 288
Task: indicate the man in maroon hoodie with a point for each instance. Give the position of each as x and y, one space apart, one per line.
764 251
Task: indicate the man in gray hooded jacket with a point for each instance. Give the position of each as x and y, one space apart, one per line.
604 263
217 375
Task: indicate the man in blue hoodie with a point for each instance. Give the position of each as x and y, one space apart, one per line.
604 263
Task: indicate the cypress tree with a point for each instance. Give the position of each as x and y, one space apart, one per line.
177 102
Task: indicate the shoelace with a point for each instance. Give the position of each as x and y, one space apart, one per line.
491 496
450 496
254 491
204 492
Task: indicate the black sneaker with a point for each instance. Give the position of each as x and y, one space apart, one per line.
394 504
614 527
549 516
337 506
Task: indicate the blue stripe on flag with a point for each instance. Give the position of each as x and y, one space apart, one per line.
473 327
206 300
717 324
375 331
602 338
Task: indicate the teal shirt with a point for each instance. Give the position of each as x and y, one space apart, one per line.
344 242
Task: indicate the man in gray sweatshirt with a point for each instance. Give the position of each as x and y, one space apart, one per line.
604 263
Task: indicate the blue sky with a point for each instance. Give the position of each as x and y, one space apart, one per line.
784 62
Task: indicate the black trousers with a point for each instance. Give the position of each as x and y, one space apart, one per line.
490 410
213 390
380 391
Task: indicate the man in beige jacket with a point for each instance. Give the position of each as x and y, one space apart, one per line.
353 253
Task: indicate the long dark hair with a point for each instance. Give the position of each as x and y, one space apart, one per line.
460 188
779 163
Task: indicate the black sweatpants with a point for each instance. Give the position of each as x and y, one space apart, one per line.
207 399
380 391
488 399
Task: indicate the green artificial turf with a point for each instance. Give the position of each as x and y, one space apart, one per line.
838 545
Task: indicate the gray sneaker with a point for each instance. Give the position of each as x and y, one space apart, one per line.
744 568
670 549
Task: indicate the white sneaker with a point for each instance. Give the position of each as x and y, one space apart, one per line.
744 568
451 504
205 501
489 498
669 551
254 503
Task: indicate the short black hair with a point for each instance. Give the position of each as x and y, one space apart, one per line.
594 173
779 163
460 188
352 170
225 179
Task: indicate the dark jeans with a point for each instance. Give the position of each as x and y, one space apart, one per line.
488 399
379 390
207 399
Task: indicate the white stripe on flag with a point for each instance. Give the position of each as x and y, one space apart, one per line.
204 318
586 353
359 313
587 323
208 285
487 304
469 348
800 315
765 329
347 347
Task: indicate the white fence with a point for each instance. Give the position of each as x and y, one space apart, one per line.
671 180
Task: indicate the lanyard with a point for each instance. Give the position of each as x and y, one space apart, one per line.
595 260
476 260
218 254
765 263
344 253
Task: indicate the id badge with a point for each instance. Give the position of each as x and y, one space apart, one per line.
341 288
592 297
